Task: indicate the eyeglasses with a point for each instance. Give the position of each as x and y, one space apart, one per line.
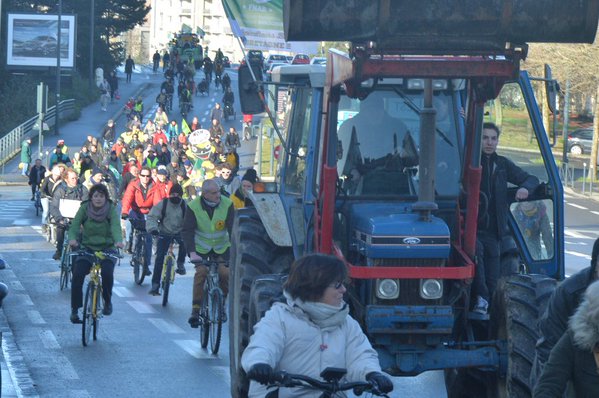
337 285
145 175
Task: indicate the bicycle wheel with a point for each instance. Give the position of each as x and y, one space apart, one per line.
205 326
88 314
140 261
167 272
216 319
99 306
65 268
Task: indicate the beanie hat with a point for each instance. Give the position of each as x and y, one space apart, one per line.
176 188
251 176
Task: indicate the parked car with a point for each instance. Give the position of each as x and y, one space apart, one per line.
289 58
300 59
268 76
318 61
274 58
580 141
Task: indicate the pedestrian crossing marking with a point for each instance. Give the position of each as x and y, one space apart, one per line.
577 254
141 307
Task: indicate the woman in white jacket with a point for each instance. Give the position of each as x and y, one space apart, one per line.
311 332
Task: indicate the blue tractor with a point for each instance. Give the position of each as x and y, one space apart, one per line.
380 165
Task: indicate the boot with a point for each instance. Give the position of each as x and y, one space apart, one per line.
155 290
57 254
147 271
75 316
194 319
181 269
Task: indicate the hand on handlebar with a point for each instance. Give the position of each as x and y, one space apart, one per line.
261 372
120 245
379 380
73 243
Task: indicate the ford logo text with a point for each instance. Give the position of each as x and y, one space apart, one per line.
411 240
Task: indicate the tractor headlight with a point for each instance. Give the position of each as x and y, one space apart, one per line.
387 289
431 289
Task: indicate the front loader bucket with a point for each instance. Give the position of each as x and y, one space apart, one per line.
442 26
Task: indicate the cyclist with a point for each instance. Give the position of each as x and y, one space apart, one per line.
161 99
185 100
166 219
226 81
228 100
160 118
137 202
36 175
208 69
49 184
97 221
206 232
70 189
311 331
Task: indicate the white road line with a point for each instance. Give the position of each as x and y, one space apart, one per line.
79 394
16 285
578 206
141 307
192 347
122 291
48 339
165 326
595 212
576 254
23 221
576 243
574 234
35 317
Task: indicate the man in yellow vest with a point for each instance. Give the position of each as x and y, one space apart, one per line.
206 233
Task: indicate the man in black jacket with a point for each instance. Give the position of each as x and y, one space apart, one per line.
36 175
497 172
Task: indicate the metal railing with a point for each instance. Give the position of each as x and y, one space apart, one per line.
10 144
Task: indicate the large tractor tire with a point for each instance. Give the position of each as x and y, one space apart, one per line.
253 256
517 305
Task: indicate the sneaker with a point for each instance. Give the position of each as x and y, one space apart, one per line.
194 320
147 271
107 309
481 306
75 316
155 290
57 254
181 269
32 199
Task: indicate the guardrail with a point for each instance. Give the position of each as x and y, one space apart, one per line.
10 144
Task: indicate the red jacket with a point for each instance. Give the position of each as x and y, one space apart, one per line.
158 136
133 199
163 190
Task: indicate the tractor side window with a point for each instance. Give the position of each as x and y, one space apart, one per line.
298 130
535 221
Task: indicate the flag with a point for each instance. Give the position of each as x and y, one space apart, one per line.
185 127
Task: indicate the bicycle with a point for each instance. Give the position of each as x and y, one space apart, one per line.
66 264
37 197
93 305
212 311
168 270
330 387
138 258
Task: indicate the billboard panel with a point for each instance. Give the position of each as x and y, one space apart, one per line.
32 40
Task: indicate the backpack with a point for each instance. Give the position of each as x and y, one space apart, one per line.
163 211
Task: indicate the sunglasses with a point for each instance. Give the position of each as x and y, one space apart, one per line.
337 285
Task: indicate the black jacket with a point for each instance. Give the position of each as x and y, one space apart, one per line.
36 175
562 304
494 185
566 363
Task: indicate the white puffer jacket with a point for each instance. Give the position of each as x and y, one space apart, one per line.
288 340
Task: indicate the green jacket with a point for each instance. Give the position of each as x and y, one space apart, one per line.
96 235
25 152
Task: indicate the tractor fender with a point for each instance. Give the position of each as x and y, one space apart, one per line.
272 214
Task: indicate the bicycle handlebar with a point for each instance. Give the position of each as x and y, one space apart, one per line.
100 254
284 379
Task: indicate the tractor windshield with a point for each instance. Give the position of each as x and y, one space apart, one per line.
379 143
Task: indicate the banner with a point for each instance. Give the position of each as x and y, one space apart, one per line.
259 25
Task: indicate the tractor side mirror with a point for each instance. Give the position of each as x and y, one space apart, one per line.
551 90
249 97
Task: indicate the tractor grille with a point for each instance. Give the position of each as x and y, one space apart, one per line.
409 289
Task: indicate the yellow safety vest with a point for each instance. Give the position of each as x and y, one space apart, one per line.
211 234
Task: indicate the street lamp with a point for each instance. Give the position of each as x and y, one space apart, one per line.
56 128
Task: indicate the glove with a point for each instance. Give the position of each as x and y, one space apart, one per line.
379 380
124 216
261 372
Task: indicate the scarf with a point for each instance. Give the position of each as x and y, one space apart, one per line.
98 214
209 203
326 317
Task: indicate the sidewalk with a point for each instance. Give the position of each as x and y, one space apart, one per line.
91 121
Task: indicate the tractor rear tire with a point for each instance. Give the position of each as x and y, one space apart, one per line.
253 255
517 304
